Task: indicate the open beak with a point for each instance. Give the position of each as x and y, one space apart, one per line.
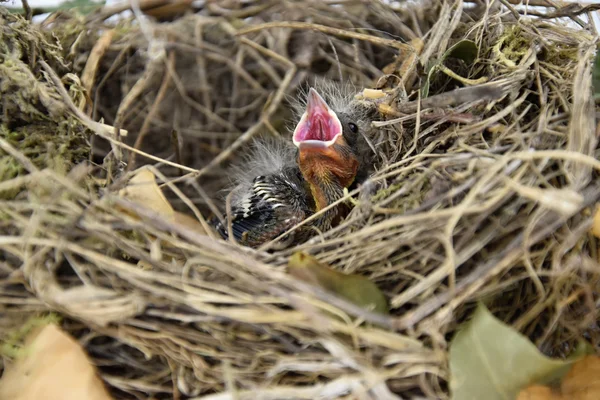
319 126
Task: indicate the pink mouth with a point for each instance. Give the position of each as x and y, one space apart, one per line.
319 125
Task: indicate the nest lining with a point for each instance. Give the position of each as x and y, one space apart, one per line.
472 199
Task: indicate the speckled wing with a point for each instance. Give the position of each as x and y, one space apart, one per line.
274 204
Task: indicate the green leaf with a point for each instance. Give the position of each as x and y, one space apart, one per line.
490 360
596 76
354 288
465 50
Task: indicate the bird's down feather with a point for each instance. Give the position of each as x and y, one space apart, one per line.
269 194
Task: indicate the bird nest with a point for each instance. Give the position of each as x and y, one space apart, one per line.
484 190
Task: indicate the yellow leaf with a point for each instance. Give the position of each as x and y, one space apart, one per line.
386 109
53 366
355 288
142 189
188 221
373 94
418 44
596 223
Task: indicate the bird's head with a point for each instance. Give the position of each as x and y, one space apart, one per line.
328 141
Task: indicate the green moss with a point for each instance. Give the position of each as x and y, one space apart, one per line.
513 44
386 192
561 55
9 168
43 144
34 117
55 146
12 344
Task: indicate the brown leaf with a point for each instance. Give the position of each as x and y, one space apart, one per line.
142 189
582 382
596 223
538 392
53 366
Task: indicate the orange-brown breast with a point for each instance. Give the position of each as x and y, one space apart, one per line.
325 167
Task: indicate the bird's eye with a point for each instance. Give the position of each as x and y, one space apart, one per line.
353 127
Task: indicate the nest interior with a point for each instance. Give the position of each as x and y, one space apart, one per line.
484 190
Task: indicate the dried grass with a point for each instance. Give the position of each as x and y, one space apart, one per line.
485 193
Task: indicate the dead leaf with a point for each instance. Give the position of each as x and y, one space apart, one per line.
88 75
582 382
355 288
596 222
373 94
538 392
142 189
584 376
490 360
404 66
52 366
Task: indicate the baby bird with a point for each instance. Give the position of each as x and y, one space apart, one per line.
283 183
